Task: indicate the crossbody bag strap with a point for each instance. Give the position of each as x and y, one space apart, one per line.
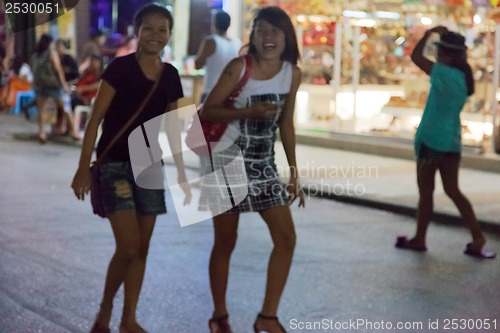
131 119
244 79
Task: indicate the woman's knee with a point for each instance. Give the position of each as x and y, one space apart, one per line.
129 251
426 186
453 192
286 241
143 251
128 255
225 243
225 233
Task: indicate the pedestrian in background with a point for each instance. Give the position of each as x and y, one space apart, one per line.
70 70
97 46
68 63
85 88
20 79
216 51
438 138
130 209
265 103
4 77
214 54
130 46
48 83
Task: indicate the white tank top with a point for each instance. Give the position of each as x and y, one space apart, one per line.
276 88
225 51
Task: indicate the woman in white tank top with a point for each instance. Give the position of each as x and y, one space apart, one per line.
266 103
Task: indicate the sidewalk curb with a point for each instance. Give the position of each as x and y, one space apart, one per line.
441 218
400 149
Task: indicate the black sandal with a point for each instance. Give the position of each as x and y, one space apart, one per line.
264 317
222 325
99 329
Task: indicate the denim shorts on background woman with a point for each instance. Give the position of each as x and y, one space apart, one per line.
120 192
432 156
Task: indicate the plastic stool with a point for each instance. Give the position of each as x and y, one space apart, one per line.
24 98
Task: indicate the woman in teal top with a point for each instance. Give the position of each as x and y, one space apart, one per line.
438 141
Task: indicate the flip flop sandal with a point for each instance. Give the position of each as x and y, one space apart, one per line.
220 325
481 254
403 243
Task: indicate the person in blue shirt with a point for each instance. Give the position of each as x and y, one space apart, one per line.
438 139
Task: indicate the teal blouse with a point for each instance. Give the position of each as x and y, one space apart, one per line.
440 128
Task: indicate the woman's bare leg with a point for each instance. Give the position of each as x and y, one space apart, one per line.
126 233
70 120
449 176
41 105
280 223
426 173
135 274
225 235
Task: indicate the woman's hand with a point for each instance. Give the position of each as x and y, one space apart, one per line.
263 110
186 188
294 192
81 182
439 29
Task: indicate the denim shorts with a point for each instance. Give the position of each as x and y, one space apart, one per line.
55 93
120 192
432 156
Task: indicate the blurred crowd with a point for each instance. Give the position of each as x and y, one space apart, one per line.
25 87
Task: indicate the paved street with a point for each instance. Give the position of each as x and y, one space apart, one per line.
54 254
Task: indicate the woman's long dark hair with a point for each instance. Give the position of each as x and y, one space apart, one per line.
458 59
43 44
279 19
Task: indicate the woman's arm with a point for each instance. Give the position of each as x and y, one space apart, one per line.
87 87
417 55
287 134
81 181
207 48
214 109
60 73
174 140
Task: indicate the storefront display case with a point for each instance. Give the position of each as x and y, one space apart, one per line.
358 76
369 70
317 39
402 114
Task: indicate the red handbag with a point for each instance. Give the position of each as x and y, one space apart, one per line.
212 131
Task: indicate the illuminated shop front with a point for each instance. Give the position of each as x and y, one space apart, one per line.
19 32
358 75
